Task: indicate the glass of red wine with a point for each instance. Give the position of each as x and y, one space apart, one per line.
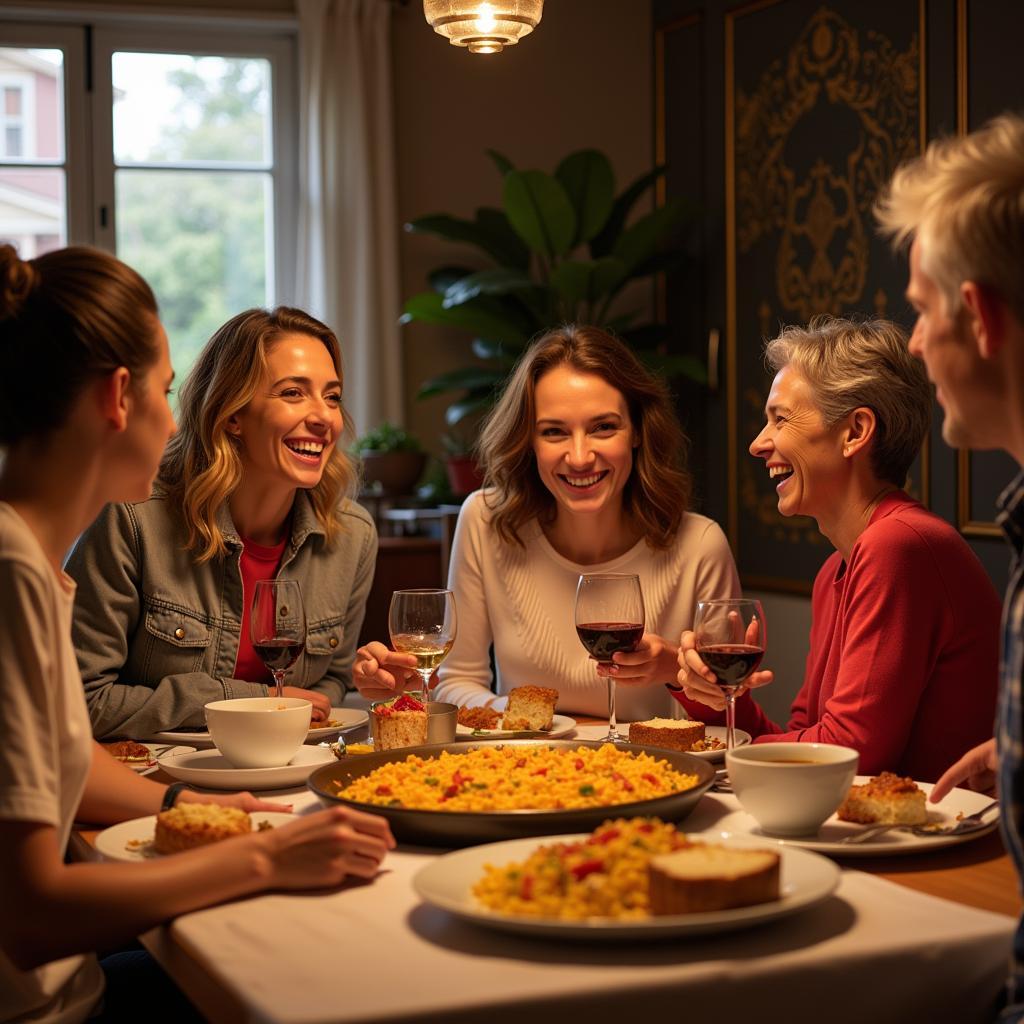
278 626
609 618
731 639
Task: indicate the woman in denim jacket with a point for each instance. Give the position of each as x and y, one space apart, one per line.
255 485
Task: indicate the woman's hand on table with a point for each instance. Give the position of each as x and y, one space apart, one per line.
653 661
243 801
977 768
325 848
320 701
699 683
380 673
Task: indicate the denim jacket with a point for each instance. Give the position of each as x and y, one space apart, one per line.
157 634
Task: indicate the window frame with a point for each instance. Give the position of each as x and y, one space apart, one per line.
279 50
88 158
76 113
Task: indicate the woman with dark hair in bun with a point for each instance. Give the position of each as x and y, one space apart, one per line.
585 472
84 418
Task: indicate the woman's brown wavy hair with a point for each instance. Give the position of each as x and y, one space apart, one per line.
201 467
657 493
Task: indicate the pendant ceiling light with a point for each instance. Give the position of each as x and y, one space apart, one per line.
483 26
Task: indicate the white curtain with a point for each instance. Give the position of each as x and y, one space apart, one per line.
347 267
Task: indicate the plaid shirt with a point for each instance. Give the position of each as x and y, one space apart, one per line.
1010 721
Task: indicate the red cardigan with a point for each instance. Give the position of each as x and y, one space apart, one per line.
904 656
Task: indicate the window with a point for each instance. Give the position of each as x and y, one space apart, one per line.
183 157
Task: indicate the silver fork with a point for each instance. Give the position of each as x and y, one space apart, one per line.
971 823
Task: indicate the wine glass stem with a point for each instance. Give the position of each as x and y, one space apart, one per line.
425 676
730 719
613 730
279 684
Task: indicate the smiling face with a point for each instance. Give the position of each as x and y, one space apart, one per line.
583 440
288 431
804 457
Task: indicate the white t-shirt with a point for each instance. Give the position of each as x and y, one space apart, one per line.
522 600
46 750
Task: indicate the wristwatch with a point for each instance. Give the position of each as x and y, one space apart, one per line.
171 794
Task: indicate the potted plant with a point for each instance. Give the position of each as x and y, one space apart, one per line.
560 250
392 460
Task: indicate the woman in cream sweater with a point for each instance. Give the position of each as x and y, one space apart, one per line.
585 472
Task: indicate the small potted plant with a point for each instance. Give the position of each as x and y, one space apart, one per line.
392 459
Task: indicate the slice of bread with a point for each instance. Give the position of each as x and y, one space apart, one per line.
669 733
705 877
393 729
189 825
887 799
530 708
479 718
129 752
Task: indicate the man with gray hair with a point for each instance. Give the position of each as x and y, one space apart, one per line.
960 206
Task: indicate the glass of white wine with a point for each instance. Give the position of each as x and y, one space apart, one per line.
422 623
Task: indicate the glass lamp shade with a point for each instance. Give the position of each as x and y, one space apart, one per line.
483 26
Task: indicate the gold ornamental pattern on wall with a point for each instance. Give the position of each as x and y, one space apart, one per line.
820 213
822 102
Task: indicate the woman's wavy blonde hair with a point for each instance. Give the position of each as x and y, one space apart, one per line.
201 467
657 494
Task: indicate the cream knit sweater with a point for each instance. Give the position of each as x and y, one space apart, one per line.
521 600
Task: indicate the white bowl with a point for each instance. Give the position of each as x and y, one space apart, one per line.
259 732
791 788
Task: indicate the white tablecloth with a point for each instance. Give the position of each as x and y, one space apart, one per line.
874 952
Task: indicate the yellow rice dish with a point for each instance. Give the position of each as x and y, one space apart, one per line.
510 778
604 875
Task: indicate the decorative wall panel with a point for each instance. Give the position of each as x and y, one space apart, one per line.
822 102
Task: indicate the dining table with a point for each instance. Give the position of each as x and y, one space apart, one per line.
924 936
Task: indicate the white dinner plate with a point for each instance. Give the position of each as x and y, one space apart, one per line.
132 840
351 718
593 732
347 719
806 878
561 725
155 750
945 812
210 768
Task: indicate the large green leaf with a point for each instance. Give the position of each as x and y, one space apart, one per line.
428 308
676 366
603 243
587 280
475 401
455 229
506 355
618 324
495 223
589 182
501 161
540 212
643 239
497 281
660 262
443 278
469 378
646 336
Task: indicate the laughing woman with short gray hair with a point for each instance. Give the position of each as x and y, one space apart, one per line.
905 623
